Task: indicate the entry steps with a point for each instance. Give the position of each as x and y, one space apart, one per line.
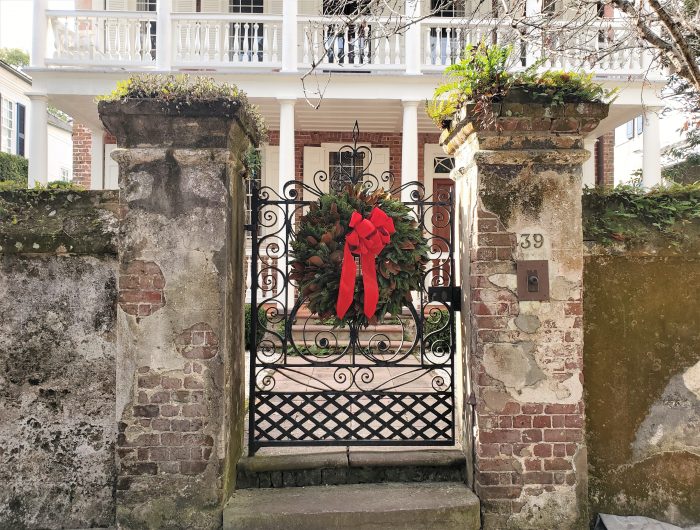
387 506
350 466
353 488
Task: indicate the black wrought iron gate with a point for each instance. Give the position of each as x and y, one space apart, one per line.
312 384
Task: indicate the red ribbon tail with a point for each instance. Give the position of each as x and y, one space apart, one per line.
369 277
346 291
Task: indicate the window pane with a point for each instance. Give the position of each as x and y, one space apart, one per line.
343 170
630 129
640 124
443 164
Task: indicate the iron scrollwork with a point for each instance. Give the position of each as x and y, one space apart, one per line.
313 384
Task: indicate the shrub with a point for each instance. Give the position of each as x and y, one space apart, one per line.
14 168
260 330
433 322
632 215
184 90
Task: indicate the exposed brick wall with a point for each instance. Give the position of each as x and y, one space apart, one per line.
141 285
523 448
82 156
169 417
605 147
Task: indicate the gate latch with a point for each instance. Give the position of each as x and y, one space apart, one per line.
446 295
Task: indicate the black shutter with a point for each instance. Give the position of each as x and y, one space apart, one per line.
21 125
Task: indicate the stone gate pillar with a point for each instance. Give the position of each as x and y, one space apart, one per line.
180 363
519 200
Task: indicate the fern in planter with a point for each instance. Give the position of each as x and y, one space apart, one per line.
481 79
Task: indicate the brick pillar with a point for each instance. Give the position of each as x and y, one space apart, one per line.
519 194
179 323
82 155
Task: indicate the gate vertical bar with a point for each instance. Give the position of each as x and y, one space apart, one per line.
252 354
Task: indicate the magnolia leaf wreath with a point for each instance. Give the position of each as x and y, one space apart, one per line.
373 227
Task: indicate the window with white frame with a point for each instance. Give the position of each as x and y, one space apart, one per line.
7 126
342 169
252 32
65 174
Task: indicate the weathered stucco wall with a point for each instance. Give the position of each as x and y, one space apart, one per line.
642 382
180 312
57 354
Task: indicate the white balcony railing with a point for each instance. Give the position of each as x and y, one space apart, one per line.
99 37
598 48
213 40
366 45
227 40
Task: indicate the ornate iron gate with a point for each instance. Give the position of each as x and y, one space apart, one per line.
311 384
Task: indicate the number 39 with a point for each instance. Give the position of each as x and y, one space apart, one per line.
536 242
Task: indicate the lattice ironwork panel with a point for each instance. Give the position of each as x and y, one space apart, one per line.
326 417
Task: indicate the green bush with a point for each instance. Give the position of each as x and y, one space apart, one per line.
14 168
632 215
262 324
433 322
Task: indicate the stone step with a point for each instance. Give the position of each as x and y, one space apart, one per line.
354 466
429 505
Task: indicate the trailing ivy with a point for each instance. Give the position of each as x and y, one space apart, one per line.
630 215
184 90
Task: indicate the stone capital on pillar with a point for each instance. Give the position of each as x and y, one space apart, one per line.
38 138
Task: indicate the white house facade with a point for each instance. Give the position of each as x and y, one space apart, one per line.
265 46
17 139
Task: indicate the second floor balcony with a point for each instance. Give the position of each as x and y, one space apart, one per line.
166 41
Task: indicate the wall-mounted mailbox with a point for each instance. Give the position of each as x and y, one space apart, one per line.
533 280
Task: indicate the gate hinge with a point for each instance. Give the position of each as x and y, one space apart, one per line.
446 295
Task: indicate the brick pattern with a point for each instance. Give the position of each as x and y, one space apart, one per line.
197 342
141 285
82 155
605 147
523 448
167 431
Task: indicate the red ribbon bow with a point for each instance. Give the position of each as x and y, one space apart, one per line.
367 241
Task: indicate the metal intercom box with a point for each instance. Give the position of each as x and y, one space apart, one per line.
533 280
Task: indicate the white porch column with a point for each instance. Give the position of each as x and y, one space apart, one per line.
588 179
409 146
651 156
39 30
164 44
286 165
286 174
97 160
413 39
38 139
289 41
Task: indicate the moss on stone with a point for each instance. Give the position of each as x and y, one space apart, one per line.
58 221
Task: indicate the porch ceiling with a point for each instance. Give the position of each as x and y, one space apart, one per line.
335 114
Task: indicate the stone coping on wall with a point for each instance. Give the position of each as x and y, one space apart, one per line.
62 222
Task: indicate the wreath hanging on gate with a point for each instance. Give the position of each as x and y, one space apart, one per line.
376 229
